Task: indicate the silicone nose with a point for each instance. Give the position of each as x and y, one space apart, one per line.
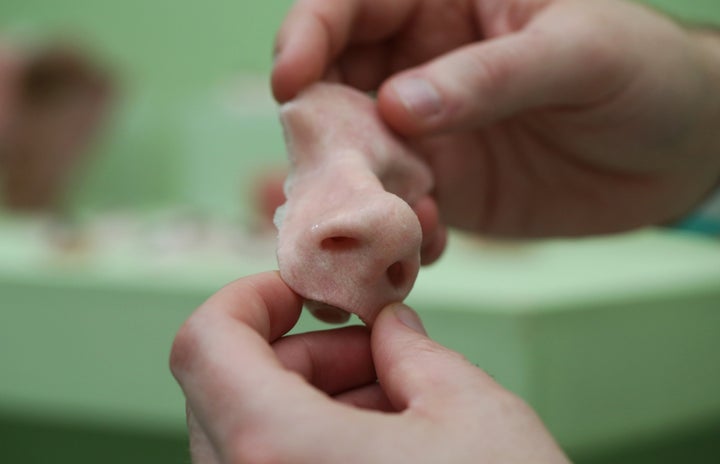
362 254
364 245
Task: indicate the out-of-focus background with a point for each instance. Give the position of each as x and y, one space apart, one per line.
160 112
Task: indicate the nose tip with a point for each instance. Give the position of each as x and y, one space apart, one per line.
370 256
371 252
377 242
363 254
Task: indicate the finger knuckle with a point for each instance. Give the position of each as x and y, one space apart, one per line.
489 71
428 351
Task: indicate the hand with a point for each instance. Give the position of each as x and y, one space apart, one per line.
538 117
344 395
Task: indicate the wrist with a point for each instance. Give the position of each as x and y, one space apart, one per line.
705 215
705 218
707 41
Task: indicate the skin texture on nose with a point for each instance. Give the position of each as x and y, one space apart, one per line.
348 234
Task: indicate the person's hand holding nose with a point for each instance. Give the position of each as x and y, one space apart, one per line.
538 117
350 395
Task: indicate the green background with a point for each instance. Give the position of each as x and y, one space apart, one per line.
173 61
83 347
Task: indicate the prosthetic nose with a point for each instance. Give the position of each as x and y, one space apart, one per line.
358 254
348 237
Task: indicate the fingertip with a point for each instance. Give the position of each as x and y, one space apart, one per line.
288 77
408 318
394 113
412 104
262 301
395 313
300 57
410 365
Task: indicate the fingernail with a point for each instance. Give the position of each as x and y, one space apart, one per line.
419 96
409 317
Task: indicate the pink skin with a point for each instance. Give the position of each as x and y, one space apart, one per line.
358 214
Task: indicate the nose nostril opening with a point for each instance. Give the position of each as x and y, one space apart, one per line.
396 274
339 243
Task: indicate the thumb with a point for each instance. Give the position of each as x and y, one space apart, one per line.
487 81
413 369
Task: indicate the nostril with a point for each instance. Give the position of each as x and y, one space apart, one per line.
396 274
326 312
340 243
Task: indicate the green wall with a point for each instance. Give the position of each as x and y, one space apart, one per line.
171 139
170 60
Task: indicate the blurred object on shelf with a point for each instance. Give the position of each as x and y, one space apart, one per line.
9 64
59 100
164 236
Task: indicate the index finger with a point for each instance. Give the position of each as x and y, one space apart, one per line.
223 352
315 32
239 385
